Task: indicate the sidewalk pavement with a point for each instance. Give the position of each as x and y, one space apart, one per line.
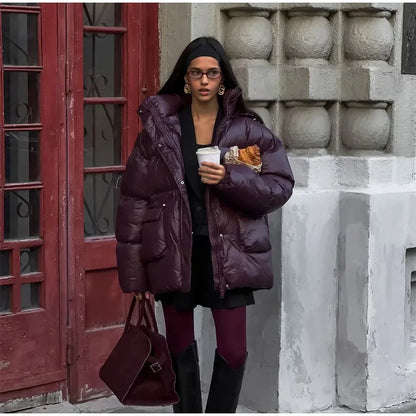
108 405
112 405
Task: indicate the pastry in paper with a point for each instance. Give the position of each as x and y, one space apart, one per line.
249 156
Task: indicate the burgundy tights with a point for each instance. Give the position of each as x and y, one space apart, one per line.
230 328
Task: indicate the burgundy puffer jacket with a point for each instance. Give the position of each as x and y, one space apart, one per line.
154 229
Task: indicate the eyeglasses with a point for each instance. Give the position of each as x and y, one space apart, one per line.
211 74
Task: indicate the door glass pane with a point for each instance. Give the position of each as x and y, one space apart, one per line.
102 14
21 214
21 97
29 260
20 39
102 135
22 156
29 295
5 263
102 65
101 194
5 298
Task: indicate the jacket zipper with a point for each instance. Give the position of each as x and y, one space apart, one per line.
212 226
211 221
161 127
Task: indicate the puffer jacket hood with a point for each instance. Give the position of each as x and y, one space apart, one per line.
154 228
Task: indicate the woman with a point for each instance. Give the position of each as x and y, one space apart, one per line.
198 235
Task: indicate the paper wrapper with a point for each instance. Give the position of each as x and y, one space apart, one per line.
231 157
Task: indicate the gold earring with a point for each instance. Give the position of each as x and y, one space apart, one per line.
221 90
187 89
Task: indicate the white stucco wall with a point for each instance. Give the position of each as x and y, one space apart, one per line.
326 78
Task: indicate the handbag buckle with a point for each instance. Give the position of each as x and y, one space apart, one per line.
155 367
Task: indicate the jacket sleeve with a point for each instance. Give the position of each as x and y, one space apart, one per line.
131 208
260 194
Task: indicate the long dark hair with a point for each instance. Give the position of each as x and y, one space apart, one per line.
175 83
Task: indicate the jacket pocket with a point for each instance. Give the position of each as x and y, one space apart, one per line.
254 234
153 235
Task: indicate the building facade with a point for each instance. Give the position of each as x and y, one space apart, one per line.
335 81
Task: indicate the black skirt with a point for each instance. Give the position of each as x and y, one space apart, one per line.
202 284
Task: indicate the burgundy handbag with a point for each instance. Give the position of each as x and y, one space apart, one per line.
139 369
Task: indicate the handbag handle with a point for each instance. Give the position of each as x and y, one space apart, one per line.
141 313
150 315
145 311
132 305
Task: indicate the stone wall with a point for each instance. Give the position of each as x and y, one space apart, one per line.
339 327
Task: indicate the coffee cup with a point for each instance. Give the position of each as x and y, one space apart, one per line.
208 154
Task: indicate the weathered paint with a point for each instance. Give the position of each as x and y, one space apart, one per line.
82 310
309 298
31 345
98 309
377 228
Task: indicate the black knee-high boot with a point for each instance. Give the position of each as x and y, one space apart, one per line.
188 383
225 386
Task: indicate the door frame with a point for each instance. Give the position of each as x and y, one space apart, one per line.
143 55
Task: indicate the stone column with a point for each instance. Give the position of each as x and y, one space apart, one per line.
307 112
375 366
249 42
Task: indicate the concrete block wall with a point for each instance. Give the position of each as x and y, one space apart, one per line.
339 327
375 362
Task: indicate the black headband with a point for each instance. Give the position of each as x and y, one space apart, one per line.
203 50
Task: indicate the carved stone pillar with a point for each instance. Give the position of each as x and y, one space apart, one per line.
249 42
310 82
308 38
376 227
365 126
306 126
367 73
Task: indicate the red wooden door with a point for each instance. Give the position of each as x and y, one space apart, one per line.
113 49
32 320
72 77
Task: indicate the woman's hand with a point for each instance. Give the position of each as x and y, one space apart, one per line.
211 173
141 295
